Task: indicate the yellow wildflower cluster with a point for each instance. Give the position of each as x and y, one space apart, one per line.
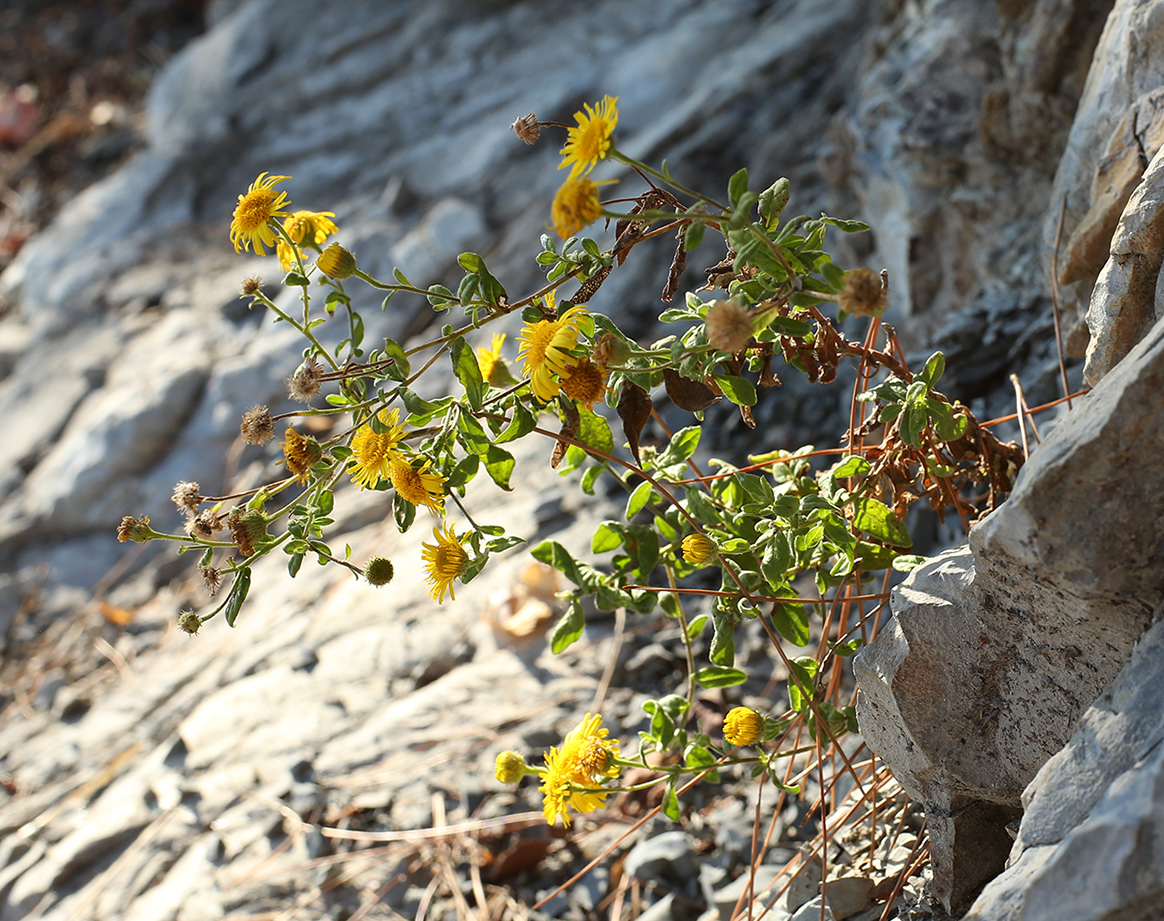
575 772
576 202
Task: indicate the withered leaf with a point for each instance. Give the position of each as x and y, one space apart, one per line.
634 409
570 424
678 267
687 394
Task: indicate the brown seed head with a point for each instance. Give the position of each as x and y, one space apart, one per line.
258 426
204 524
586 383
211 578
863 294
527 128
186 496
379 571
247 529
137 530
305 382
189 622
729 326
250 286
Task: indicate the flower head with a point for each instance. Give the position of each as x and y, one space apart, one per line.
203 525
186 496
189 622
250 286
546 346
379 571
310 227
137 530
585 383
742 726
729 325
586 760
443 561
211 578
493 367
247 529
575 205
589 142
336 262
699 549
300 453
509 767
250 228
305 382
418 485
863 294
373 452
527 128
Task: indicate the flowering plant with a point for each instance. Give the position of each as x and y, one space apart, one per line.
797 536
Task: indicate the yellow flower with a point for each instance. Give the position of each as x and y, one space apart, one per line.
418 485
742 726
373 452
493 367
300 452
444 560
251 225
575 205
699 549
546 346
585 383
312 227
336 262
585 761
589 142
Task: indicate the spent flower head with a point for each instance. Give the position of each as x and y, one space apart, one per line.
589 142
304 384
300 453
863 293
250 286
186 496
585 383
729 325
189 622
250 228
379 571
137 530
527 128
257 426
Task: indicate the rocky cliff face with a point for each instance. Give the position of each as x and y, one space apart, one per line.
957 128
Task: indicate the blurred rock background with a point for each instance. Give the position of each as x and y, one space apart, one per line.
150 775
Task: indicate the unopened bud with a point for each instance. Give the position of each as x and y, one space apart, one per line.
336 262
509 767
189 622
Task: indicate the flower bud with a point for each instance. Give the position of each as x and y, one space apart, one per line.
379 571
509 767
610 350
699 549
742 726
336 262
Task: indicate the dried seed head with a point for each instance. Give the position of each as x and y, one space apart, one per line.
250 286
211 578
729 326
204 524
336 262
137 530
379 571
305 382
258 426
189 622
247 529
586 383
863 294
300 453
509 767
527 128
186 496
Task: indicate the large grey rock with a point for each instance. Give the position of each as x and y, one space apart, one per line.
1089 843
998 647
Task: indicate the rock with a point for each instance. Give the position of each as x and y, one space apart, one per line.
998 647
667 858
1091 811
1123 303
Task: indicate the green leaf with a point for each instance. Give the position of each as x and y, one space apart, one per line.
694 235
238 594
947 426
472 435
908 563
804 668
851 466
877 519
520 425
723 646
554 554
845 226
791 621
737 186
696 626
642 494
567 630
404 512
468 372
739 390
773 200
913 423
294 562
607 537
719 676
682 445
499 464
465 470
934 368
670 803
400 367
608 598
642 543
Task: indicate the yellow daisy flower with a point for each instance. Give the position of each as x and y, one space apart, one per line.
589 142
418 485
373 452
699 549
250 228
310 227
586 759
742 726
444 561
546 346
493 367
585 383
575 205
